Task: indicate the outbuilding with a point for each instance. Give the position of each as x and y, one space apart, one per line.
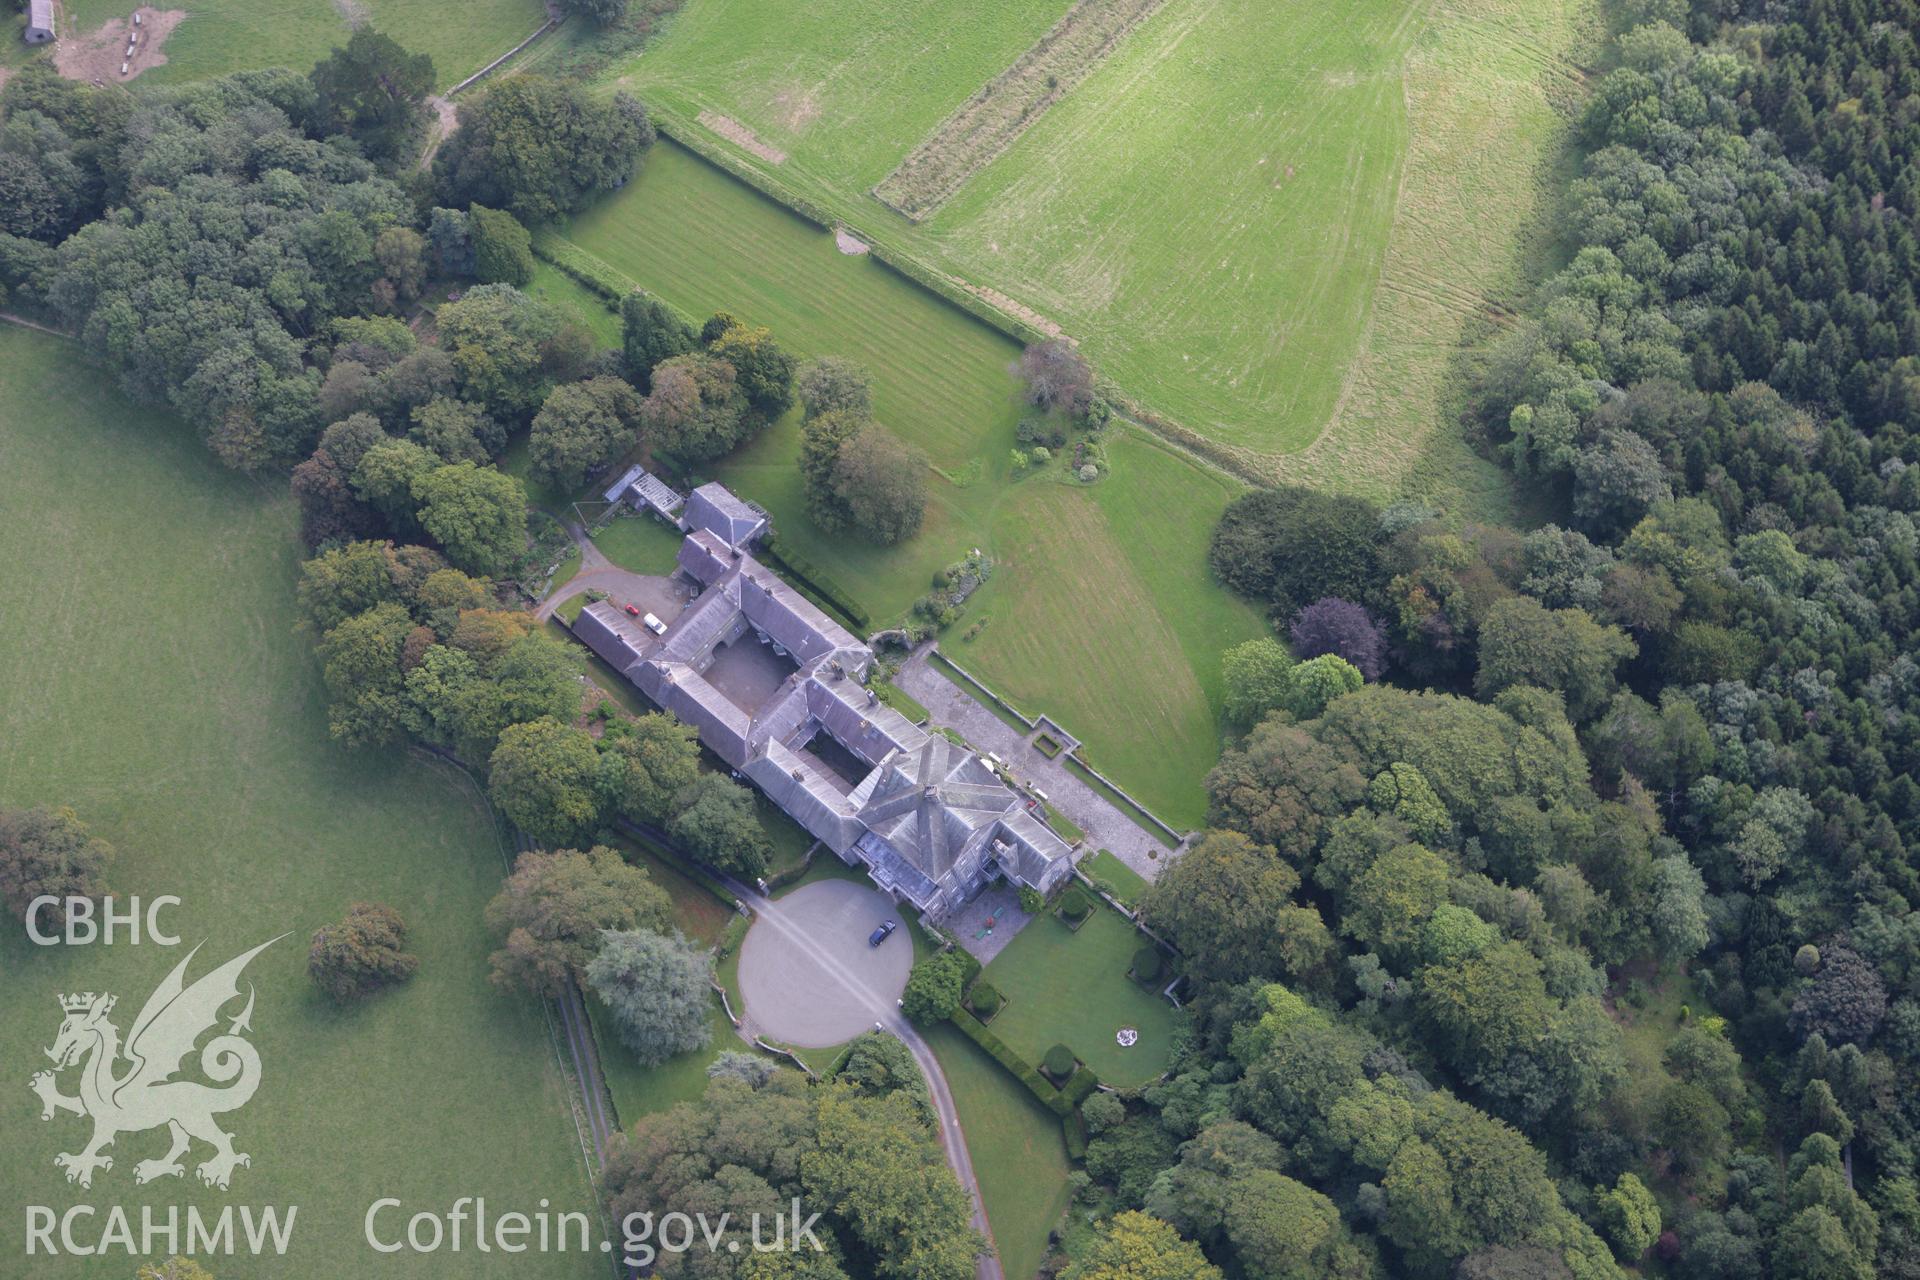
39 21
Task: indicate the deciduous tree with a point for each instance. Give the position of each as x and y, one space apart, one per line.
551 914
361 954
542 776
582 428
48 852
715 818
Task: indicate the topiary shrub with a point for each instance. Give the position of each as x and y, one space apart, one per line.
1147 964
1075 905
985 1000
1058 1063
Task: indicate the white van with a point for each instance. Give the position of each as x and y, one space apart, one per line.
654 625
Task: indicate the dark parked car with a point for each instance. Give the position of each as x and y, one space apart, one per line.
881 934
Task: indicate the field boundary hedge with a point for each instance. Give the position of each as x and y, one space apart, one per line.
687 134
1236 464
591 273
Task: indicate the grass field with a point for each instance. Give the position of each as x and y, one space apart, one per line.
1099 589
697 912
219 36
1017 1151
1271 221
550 284
1071 987
846 88
151 677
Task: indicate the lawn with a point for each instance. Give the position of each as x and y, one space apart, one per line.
1121 880
790 840
643 1091
641 544
1274 222
219 36
150 676
1017 1151
1072 987
551 284
1099 588
846 88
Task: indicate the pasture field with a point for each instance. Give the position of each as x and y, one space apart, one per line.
151 677
844 88
1272 222
219 36
1099 589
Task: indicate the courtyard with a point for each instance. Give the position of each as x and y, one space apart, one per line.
748 672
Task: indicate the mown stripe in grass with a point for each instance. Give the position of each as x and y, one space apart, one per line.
1005 107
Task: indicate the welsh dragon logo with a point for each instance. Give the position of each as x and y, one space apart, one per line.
143 1094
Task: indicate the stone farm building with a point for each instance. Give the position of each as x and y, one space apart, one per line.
778 690
39 21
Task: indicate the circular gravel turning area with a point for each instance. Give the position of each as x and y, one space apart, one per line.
806 972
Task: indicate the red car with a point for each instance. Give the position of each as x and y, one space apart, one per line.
633 610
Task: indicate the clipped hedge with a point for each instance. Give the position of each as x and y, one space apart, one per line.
593 275
901 264
734 935
1059 1063
997 1049
1073 1128
797 566
1075 905
1080 1085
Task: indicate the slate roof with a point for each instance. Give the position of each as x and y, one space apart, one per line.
40 15
705 558
607 632
859 721
789 618
930 820
932 804
714 508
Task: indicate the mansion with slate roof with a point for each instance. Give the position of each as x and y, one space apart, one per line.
777 690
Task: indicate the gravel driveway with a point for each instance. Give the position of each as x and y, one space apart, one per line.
810 979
